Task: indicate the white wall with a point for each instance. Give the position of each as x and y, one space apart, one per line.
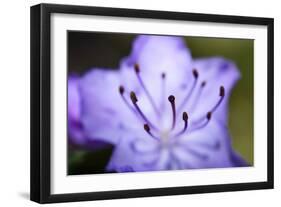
14 104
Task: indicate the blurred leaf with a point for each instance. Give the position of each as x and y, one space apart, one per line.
87 161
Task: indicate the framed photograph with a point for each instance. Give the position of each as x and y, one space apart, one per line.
132 103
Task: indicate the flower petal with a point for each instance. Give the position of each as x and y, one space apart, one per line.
209 147
137 151
74 123
104 114
156 55
73 98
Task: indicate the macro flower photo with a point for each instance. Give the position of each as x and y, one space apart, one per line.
141 103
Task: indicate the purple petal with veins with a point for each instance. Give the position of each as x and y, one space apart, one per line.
161 109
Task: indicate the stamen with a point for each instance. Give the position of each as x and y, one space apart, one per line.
122 91
173 105
147 129
188 95
207 120
134 101
133 97
137 70
196 99
222 94
185 119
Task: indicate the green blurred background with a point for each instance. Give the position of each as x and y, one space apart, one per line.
87 50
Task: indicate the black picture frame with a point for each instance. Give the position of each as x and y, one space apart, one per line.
40 184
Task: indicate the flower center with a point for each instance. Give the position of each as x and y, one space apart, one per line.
157 132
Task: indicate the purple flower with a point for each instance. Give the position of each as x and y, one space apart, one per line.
161 109
74 124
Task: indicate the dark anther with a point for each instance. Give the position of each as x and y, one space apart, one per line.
137 68
171 99
203 84
121 90
163 75
146 127
209 115
222 91
133 97
195 73
184 116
